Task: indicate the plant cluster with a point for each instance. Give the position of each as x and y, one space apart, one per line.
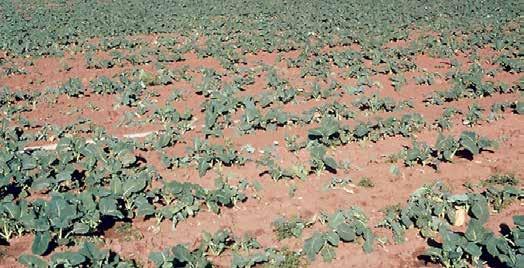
205 156
478 245
344 227
433 207
468 144
88 255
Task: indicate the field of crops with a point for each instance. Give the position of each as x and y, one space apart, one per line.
245 133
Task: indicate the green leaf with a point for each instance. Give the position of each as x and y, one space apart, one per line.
398 233
239 261
519 220
203 166
394 170
117 186
336 219
313 245
332 238
468 139
480 210
67 259
158 258
41 243
475 231
368 246
108 206
329 126
32 261
519 109
143 207
80 228
42 224
434 252
90 251
330 162
473 250
485 143
182 254
316 132
368 243
328 253
127 158
133 185
491 245
447 146
361 130
346 232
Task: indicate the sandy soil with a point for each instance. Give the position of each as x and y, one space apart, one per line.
273 200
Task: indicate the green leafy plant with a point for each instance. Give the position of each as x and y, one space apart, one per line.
473 116
501 179
444 121
467 84
328 133
433 208
273 169
73 87
182 200
87 255
478 243
375 103
253 119
288 228
426 79
446 148
292 143
217 243
320 161
205 156
397 81
344 226
104 85
270 257
180 256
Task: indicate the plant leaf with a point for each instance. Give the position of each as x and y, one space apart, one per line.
468 139
41 243
346 232
32 261
328 253
313 245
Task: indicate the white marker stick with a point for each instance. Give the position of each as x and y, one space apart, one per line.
51 147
